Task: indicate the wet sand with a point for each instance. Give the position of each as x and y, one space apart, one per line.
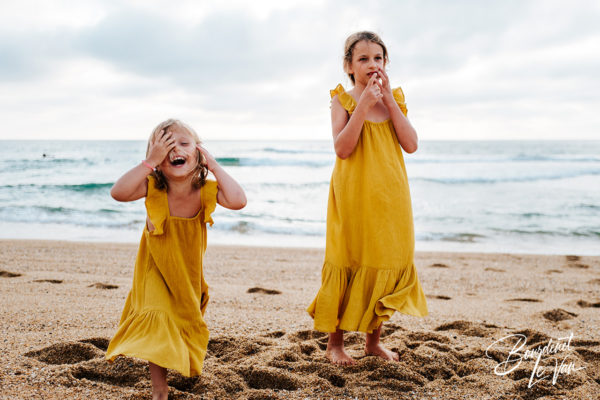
61 302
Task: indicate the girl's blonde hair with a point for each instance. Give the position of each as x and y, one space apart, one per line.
351 43
200 172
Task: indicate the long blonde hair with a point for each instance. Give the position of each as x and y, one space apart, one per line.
200 172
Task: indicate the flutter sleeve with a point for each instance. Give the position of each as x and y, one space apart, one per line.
346 100
156 206
399 97
209 200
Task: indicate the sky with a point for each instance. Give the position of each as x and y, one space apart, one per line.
262 70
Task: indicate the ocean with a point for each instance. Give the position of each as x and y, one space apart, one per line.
489 196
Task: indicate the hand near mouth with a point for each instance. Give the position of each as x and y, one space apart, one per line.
371 94
160 147
383 82
207 158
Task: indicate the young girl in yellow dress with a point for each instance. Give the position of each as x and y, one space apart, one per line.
368 272
162 321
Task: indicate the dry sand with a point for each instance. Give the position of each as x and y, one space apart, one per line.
61 303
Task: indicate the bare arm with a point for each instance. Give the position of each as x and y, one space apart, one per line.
133 185
230 194
346 131
406 134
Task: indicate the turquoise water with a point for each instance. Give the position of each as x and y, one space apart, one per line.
502 196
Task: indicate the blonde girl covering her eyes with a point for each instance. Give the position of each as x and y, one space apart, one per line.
162 321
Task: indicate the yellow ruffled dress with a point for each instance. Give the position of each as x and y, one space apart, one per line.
368 272
162 320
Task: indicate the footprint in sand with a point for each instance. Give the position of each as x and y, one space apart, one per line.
558 314
594 281
554 271
333 378
101 343
309 348
422 337
269 378
262 290
572 258
99 285
232 349
587 304
533 336
124 371
525 299
55 281
468 328
585 342
494 269
6 274
389 328
306 335
588 355
275 334
440 297
438 265
577 265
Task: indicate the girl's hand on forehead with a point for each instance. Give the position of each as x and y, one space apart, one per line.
208 159
160 146
372 93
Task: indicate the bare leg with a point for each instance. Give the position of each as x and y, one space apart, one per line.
335 349
374 348
160 390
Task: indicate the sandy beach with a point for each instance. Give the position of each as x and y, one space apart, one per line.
61 302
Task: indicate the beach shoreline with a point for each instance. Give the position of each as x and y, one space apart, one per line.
65 299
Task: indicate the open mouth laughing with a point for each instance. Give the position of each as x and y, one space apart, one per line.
176 160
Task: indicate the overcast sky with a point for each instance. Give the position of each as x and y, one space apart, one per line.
263 69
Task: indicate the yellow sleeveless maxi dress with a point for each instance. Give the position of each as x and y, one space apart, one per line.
162 321
368 272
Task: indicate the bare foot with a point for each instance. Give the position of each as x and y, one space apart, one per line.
380 351
337 355
374 348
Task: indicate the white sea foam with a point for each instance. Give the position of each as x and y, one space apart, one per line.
540 197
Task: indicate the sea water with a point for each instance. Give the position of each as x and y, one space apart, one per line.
492 196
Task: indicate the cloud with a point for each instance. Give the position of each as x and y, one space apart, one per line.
269 66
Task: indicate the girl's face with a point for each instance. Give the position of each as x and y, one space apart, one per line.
183 158
367 58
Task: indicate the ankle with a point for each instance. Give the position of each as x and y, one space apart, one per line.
335 344
160 395
160 392
372 339
336 339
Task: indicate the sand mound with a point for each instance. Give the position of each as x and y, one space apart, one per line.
66 353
